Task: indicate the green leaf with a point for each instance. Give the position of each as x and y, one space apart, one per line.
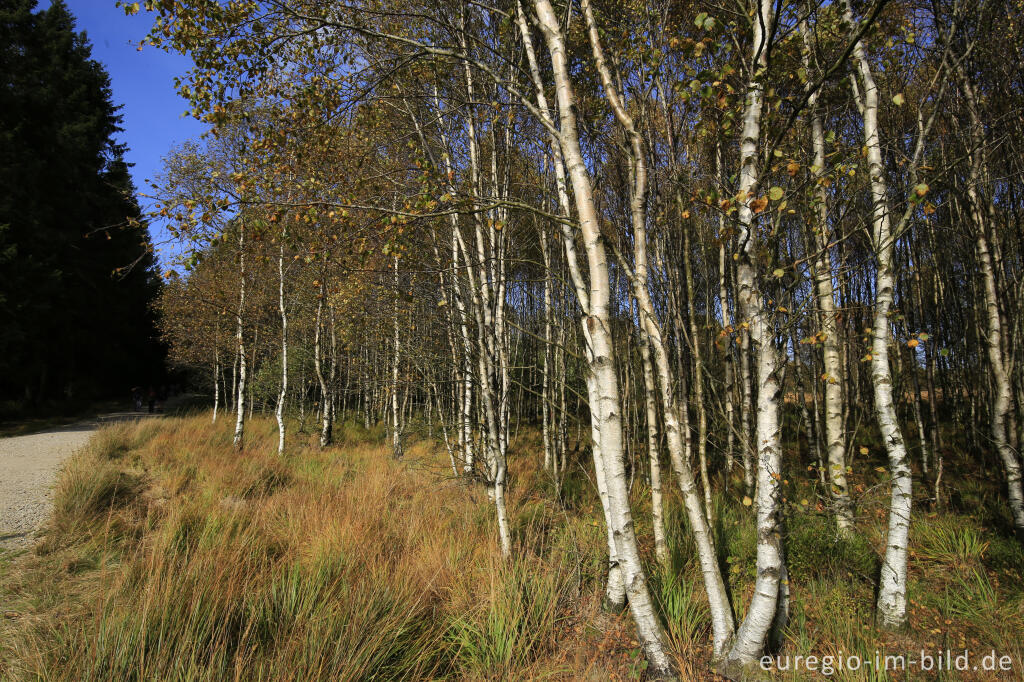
898 99
699 21
775 193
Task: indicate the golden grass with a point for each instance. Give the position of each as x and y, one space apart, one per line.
172 557
177 558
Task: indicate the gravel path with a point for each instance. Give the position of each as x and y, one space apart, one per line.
28 468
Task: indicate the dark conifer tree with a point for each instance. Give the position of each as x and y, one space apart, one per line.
76 272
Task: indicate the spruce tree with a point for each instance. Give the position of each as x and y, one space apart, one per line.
76 278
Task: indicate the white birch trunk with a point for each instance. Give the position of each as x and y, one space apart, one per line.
284 350
601 358
698 373
723 303
549 461
752 634
615 591
240 344
822 274
396 431
657 503
216 381
746 408
996 343
892 589
730 369
325 409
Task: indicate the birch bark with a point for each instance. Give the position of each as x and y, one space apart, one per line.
396 431
240 343
216 380
996 342
753 632
602 359
892 590
615 590
284 349
822 274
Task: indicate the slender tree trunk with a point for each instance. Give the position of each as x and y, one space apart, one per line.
822 274
746 408
615 589
753 632
326 430
996 343
606 410
723 302
284 350
892 591
549 461
396 431
240 343
216 381
657 504
698 370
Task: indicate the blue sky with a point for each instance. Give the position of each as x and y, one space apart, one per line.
142 82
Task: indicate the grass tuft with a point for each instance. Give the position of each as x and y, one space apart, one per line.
515 625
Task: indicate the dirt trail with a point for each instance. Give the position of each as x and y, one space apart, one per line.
28 469
29 466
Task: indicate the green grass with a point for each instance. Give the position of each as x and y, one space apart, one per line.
517 622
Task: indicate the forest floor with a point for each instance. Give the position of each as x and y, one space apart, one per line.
171 556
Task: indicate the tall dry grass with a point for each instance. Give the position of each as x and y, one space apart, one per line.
177 558
171 557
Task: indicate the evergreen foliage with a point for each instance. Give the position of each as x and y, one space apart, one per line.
76 270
